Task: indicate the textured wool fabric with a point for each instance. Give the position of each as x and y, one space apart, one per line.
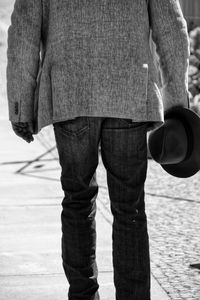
69 58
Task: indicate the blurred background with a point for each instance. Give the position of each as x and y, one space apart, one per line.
191 10
30 198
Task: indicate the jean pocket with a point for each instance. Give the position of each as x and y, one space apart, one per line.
74 126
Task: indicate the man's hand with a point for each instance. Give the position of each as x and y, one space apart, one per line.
24 130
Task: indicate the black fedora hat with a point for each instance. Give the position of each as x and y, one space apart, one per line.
176 144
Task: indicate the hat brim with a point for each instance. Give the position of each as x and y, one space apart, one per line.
191 165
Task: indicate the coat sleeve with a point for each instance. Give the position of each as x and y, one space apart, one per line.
23 58
169 33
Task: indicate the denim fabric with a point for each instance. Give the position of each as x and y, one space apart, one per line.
124 155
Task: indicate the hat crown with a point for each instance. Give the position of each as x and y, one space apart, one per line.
169 144
176 144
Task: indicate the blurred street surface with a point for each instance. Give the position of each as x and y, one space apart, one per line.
30 227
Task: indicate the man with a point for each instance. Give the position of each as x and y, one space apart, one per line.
88 68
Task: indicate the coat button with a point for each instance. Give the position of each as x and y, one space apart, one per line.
16 108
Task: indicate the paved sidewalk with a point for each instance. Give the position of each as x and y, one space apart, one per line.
30 230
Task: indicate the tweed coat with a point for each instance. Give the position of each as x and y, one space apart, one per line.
69 58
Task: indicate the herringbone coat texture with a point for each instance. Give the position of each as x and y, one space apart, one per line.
70 58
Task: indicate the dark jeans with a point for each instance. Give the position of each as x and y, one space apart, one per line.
124 155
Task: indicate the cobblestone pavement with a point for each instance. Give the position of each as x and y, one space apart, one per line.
173 209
